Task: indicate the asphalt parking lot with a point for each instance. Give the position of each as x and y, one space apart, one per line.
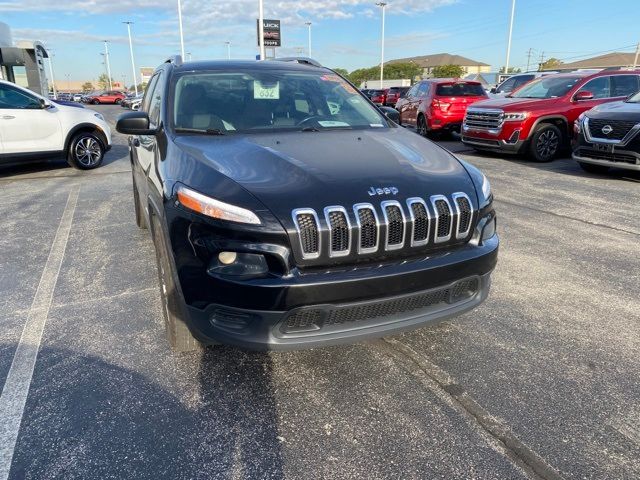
542 381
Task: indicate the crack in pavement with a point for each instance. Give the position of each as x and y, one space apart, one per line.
515 450
567 217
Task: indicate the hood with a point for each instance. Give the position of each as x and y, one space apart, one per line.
616 111
515 104
319 169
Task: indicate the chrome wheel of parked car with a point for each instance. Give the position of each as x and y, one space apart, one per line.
86 151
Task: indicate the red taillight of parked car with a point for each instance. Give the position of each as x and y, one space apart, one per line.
440 105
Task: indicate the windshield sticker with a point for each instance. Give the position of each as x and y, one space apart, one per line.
332 123
268 91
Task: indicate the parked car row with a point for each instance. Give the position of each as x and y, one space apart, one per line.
113 97
132 102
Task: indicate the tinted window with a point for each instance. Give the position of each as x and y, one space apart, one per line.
17 99
548 87
507 86
147 93
155 102
423 89
460 89
413 91
600 87
267 100
521 80
624 85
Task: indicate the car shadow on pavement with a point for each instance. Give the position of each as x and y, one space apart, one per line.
87 418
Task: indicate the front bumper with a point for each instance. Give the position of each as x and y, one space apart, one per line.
344 306
509 138
626 157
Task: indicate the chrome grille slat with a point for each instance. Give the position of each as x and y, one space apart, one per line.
464 214
339 231
484 119
395 221
308 226
420 221
368 228
443 218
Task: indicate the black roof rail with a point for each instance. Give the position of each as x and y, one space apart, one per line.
175 59
302 60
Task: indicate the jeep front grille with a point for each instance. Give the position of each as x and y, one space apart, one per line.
483 119
367 229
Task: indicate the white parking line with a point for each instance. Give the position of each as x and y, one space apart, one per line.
16 388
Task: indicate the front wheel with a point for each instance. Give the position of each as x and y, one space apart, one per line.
118 100
545 143
95 102
85 151
421 126
173 310
592 168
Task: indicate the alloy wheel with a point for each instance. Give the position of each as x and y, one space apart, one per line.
547 144
88 151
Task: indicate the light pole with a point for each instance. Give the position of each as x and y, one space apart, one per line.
261 29
506 63
106 59
188 56
133 63
228 44
308 24
382 5
53 82
180 22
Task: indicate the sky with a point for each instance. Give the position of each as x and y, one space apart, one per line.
345 33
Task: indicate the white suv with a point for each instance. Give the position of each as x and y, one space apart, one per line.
32 127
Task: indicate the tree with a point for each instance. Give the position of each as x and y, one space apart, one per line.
550 64
342 71
103 81
447 71
87 87
511 70
392 71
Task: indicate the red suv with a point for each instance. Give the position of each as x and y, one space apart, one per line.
438 105
538 118
107 97
379 97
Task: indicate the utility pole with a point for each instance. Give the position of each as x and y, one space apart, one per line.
383 5
106 59
263 54
133 63
635 60
228 44
308 24
180 25
513 11
529 53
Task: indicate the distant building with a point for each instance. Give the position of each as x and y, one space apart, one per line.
428 62
609 60
488 79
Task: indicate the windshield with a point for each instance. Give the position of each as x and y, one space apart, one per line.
262 101
547 87
460 89
635 98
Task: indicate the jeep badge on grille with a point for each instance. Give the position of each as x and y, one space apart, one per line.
373 191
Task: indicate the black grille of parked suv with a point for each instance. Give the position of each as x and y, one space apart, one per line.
401 226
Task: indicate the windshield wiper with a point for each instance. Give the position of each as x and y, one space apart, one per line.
207 131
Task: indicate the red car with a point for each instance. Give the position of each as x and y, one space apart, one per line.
107 97
394 94
538 118
438 105
379 97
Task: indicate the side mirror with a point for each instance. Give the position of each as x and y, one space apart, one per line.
391 113
134 123
493 90
583 95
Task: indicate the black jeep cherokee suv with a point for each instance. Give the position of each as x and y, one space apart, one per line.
287 211
609 136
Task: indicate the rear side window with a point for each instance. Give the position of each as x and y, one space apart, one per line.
624 85
600 87
423 89
460 89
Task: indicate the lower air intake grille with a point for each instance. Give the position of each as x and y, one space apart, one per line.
309 238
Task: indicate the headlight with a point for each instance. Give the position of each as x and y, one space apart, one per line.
515 116
215 208
99 115
577 125
483 187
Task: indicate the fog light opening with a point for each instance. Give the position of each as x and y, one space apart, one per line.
227 258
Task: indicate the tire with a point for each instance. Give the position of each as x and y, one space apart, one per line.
421 126
85 151
173 309
546 143
592 168
117 101
141 219
95 102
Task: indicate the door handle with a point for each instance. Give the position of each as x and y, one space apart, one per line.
7 117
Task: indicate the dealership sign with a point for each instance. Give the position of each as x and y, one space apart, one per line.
271 30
